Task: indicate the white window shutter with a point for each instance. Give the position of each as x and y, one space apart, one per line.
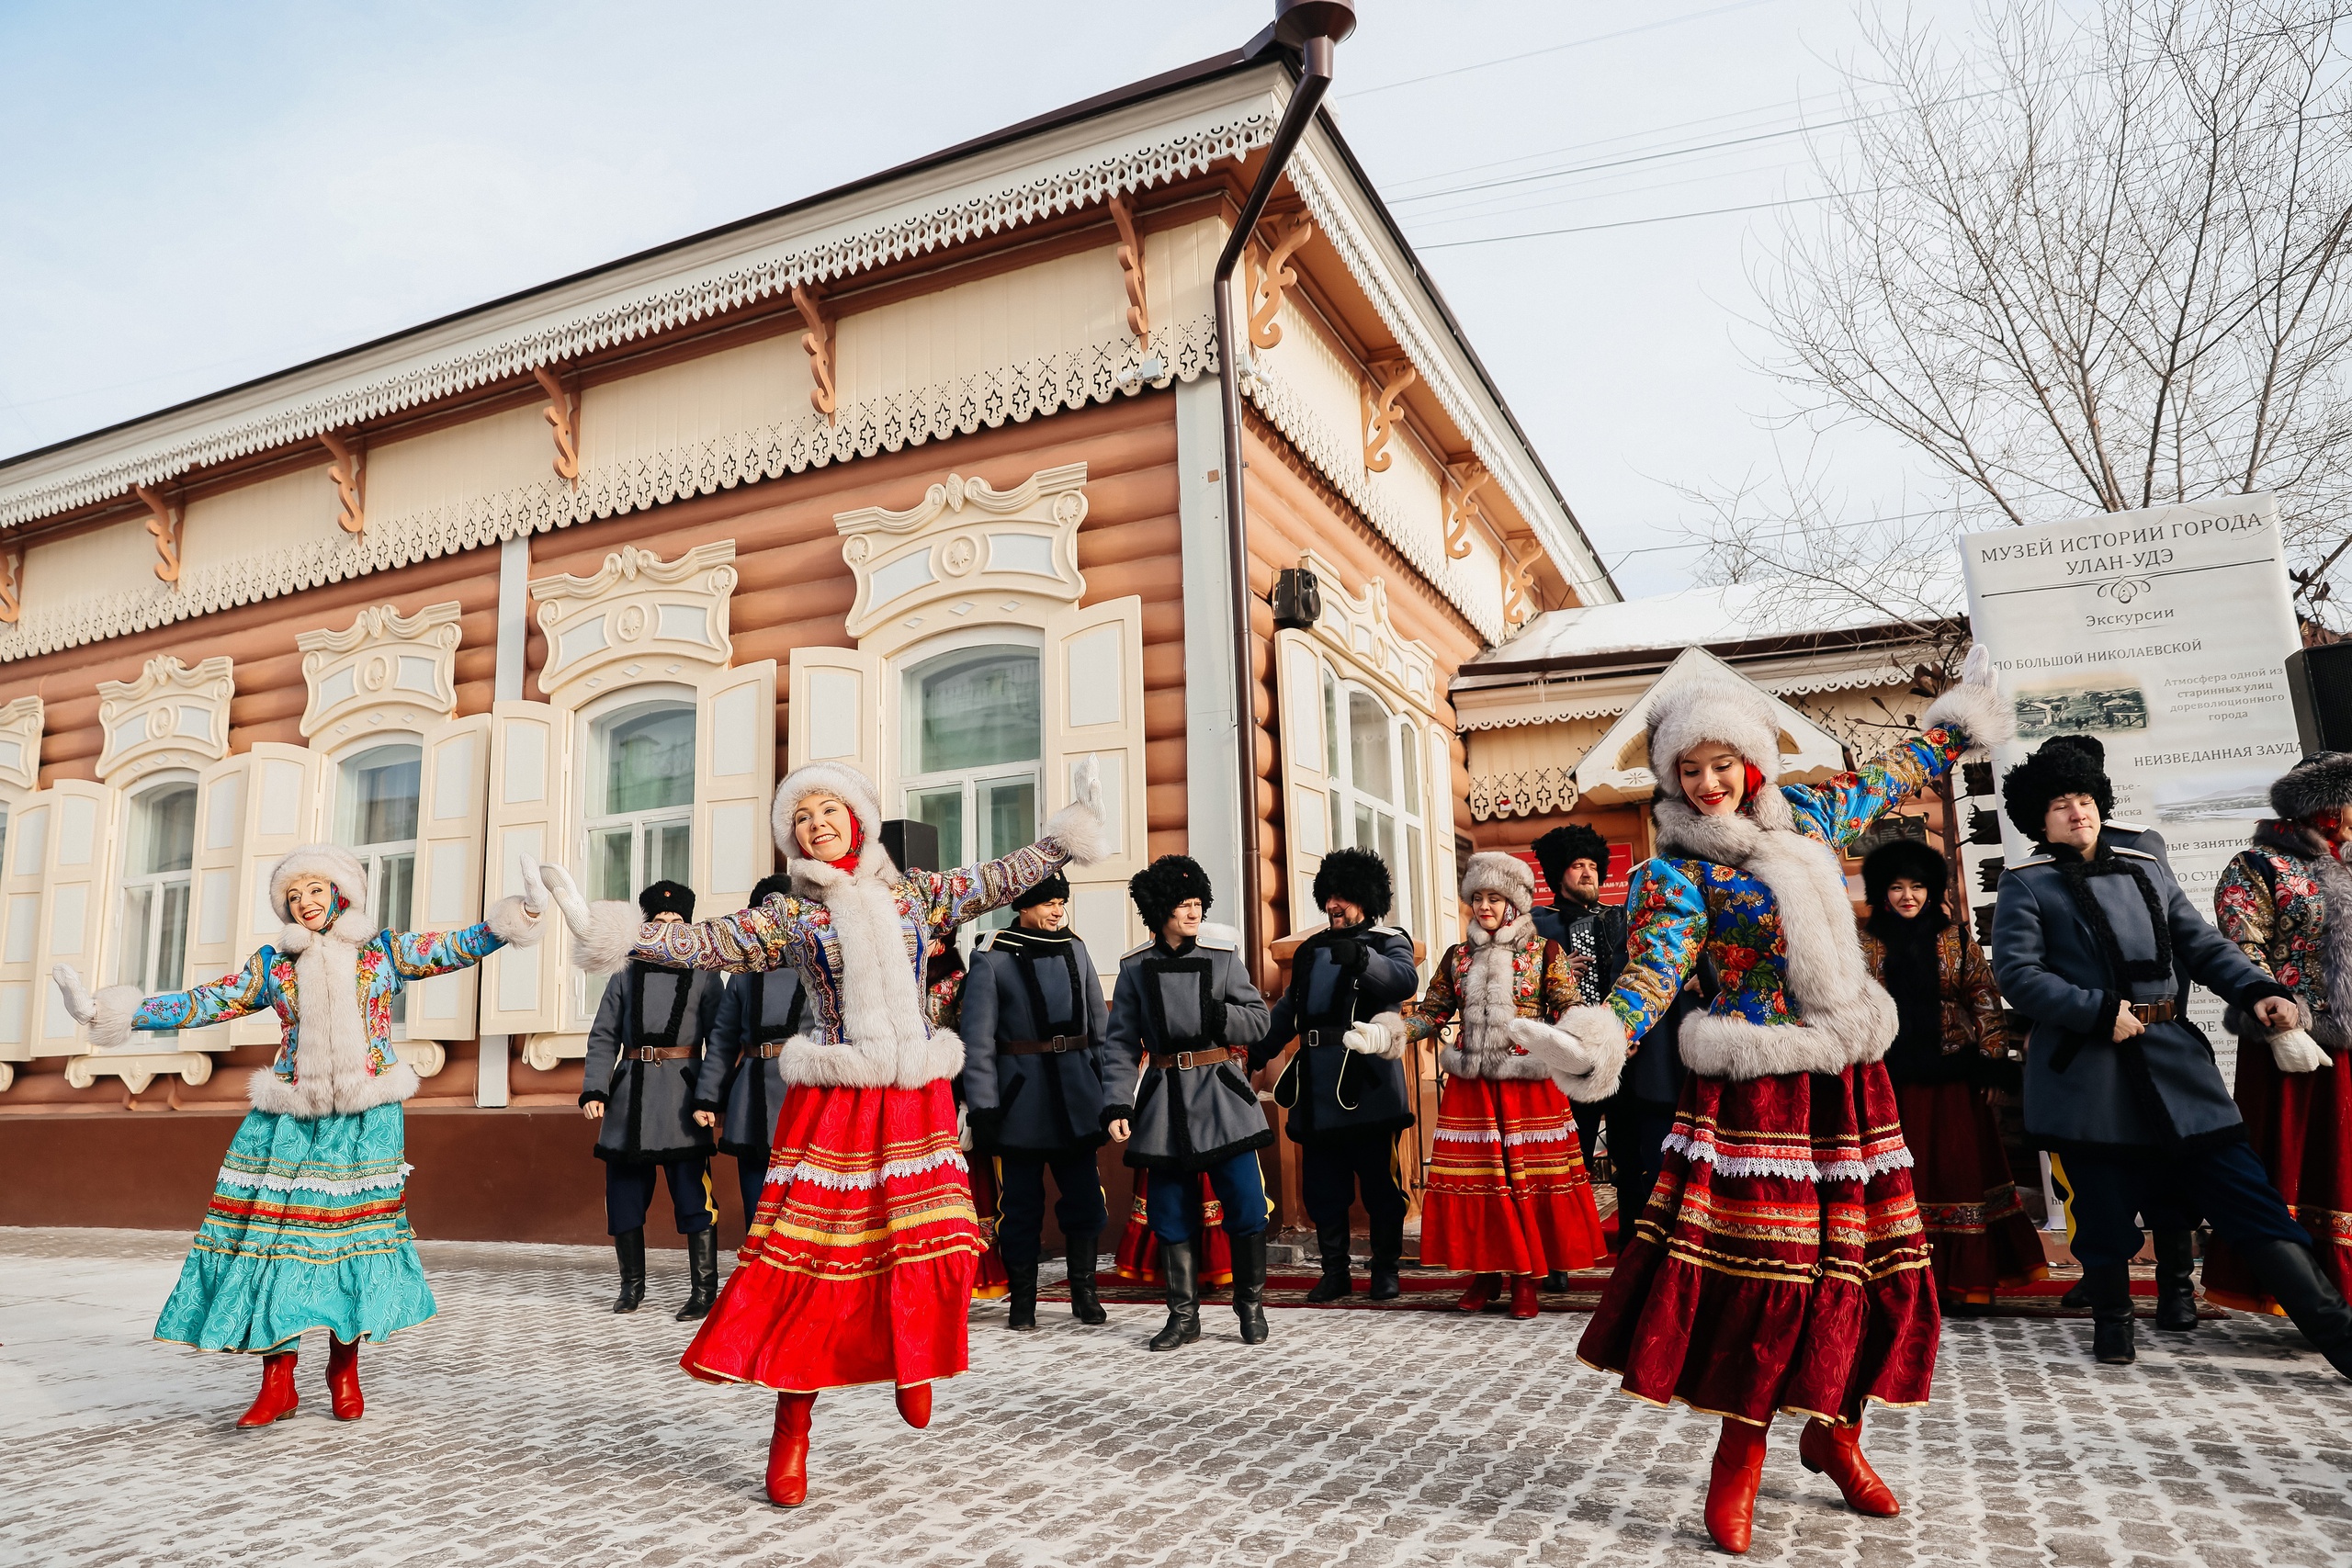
1090 680
835 711
217 943
280 815
449 872
25 989
1307 827
734 779
77 879
530 749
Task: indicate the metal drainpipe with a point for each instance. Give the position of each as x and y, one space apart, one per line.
1330 23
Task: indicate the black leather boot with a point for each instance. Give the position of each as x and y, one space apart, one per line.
2293 1277
2111 1328
1250 1286
2078 1296
1021 1307
1387 1251
1179 1266
2176 1282
629 1247
1085 1306
1331 1241
702 1266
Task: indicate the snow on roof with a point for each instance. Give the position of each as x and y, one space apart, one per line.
1709 616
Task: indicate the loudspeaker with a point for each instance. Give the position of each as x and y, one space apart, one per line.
914 846
2320 681
1298 598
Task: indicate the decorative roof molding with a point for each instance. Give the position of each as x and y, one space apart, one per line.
1563 699
172 716
671 289
1360 628
1022 540
1617 767
20 731
638 609
384 670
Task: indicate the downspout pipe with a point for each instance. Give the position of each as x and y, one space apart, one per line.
1315 28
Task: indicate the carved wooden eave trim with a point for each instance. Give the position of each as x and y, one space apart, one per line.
1359 627
349 472
817 342
1272 280
1519 579
165 522
562 414
1462 506
12 591
1130 256
969 543
1381 413
385 670
21 732
638 619
172 716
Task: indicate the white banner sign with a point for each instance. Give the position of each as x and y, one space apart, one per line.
2164 634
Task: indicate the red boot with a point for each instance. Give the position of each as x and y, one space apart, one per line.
343 1380
1482 1289
1522 1296
1837 1451
914 1405
1731 1485
276 1398
788 1450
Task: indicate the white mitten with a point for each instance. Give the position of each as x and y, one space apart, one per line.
80 1004
1383 1037
1976 669
535 888
1557 1052
556 885
2296 1052
1086 785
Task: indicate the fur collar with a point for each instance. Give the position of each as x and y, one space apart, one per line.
886 1037
332 1055
1488 999
2291 839
1848 1017
2335 1030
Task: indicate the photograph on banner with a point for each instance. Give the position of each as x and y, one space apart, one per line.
2164 634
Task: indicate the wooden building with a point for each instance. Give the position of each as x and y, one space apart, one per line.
922 474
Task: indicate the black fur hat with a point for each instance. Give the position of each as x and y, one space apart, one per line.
1166 882
1556 849
1045 892
668 899
1904 857
1358 875
767 887
2318 783
2067 764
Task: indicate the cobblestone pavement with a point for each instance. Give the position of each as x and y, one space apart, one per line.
528 1425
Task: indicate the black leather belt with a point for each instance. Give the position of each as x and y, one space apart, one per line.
1061 1044
1209 1056
658 1053
771 1049
2155 1013
1316 1039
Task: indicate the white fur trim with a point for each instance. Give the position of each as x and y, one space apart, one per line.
1078 828
1489 1003
1720 707
1791 1169
864 1180
111 1013
1383 1037
331 1050
332 861
1847 1016
611 933
1979 713
385 1183
854 790
510 922
1599 1043
1491 871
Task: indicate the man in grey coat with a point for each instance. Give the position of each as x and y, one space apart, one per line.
1183 1013
2097 945
739 1088
1033 1025
639 1079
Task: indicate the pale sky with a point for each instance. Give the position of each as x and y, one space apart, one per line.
191 197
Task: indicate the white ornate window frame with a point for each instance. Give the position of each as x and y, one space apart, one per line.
172 716
384 672
965 554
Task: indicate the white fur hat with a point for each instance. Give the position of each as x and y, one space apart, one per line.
1491 871
854 790
1716 706
332 861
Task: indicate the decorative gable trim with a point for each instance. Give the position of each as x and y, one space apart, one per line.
639 613
968 542
172 716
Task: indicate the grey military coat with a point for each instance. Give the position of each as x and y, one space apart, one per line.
1338 979
2073 941
755 1009
1026 985
1196 999
649 1106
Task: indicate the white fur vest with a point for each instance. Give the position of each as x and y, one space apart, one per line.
328 1038
881 943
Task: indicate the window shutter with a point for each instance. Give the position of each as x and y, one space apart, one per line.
449 874
216 944
531 753
77 877
835 712
1091 680
1305 772
24 987
280 815
734 777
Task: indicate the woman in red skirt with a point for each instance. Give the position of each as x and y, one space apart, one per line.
1507 1194
859 1264
1780 1265
1950 1037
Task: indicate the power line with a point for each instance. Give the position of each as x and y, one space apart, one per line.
1554 49
1632 222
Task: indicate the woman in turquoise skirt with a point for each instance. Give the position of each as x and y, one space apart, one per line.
308 1226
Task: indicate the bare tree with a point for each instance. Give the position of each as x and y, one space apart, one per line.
2088 266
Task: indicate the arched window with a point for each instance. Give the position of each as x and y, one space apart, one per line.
974 732
1374 758
641 798
159 849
